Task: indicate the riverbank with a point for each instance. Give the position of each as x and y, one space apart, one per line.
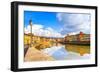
35 55
77 42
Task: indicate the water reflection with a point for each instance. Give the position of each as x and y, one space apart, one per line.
67 51
81 49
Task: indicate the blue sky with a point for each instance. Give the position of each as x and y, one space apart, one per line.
47 19
57 24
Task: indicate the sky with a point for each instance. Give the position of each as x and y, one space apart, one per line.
56 24
47 19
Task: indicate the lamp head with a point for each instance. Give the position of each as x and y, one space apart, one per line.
30 22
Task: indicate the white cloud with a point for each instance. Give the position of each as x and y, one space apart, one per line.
59 52
59 16
39 30
73 33
74 22
51 50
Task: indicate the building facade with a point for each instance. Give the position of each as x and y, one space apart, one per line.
78 37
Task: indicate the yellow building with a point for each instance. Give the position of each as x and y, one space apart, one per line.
27 39
71 38
78 37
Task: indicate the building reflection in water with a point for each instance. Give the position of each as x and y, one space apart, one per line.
62 51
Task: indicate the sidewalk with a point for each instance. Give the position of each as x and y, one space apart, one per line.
35 55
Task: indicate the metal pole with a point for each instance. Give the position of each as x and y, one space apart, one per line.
31 35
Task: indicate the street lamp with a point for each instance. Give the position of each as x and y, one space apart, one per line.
31 35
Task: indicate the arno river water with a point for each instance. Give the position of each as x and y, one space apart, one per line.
68 51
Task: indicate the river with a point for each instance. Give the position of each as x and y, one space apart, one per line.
68 51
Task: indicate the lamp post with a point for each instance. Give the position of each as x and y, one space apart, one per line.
31 35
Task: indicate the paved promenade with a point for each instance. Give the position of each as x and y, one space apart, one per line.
35 55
